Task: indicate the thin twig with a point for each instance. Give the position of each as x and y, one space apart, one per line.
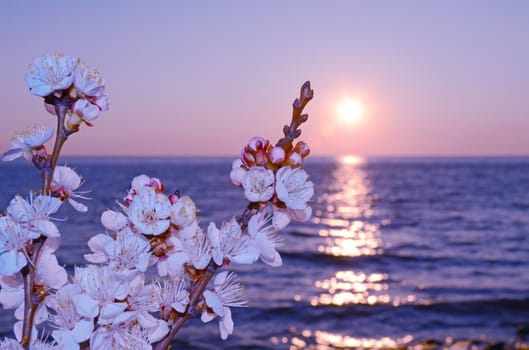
28 273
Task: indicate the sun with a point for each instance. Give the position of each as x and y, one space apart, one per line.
350 110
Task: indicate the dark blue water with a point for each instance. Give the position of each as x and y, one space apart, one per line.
398 251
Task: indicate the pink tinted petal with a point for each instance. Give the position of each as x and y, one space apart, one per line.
175 263
140 181
98 242
301 215
207 316
96 258
146 320
19 312
82 330
84 109
52 244
162 268
47 228
280 219
124 317
158 332
110 312
86 306
248 255
12 262
41 314
214 302
12 154
50 272
65 339
226 324
103 102
180 307
113 220
11 299
78 206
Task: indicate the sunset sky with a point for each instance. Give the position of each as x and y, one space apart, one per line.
201 77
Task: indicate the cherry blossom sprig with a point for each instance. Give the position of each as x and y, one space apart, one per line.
108 303
74 94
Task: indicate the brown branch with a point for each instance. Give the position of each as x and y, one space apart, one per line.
28 273
194 297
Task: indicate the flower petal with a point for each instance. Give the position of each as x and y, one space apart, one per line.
12 262
86 306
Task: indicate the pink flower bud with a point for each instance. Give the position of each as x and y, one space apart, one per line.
276 155
157 184
174 197
294 160
254 154
257 142
302 148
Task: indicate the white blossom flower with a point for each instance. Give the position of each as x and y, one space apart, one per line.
265 238
71 327
127 253
64 183
183 212
50 73
173 296
101 286
142 300
89 96
227 292
34 214
87 82
13 241
194 250
149 212
292 187
229 243
124 334
27 144
258 184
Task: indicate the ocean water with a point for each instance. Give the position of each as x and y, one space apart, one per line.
399 250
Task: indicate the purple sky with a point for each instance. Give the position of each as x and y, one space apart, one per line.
201 78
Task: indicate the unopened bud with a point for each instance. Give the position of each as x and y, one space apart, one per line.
276 155
294 160
302 148
157 184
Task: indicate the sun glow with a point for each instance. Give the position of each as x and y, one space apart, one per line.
350 111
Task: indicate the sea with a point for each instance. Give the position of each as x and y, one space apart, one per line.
400 252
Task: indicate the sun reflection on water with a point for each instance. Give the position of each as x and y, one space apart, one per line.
321 340
350 228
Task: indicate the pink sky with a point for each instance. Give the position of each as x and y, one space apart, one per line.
201 78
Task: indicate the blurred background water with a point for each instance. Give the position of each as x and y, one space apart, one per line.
399 250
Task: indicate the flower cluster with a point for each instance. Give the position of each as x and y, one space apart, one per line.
270 174
111 303
66 77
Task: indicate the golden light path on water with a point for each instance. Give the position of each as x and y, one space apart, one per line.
328 340
348 233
